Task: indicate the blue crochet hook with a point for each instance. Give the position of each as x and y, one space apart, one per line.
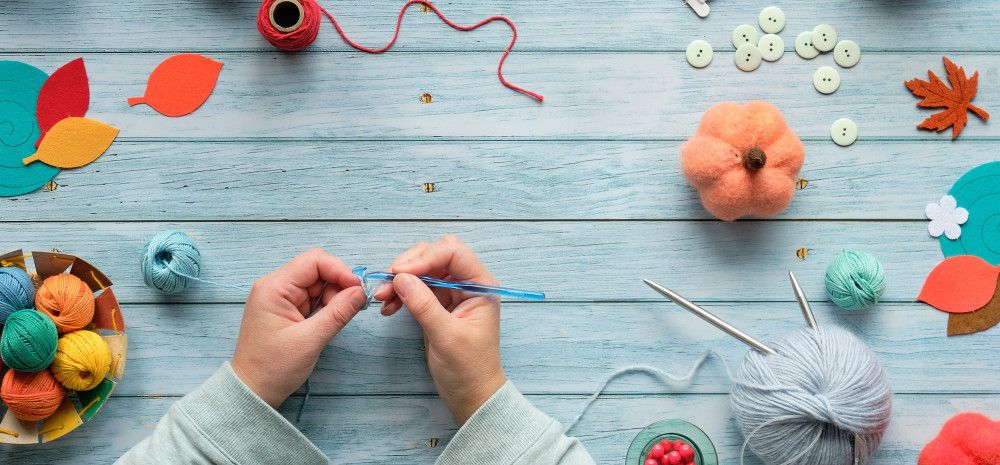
368 281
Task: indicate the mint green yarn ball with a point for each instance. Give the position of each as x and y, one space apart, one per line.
29 341
855 280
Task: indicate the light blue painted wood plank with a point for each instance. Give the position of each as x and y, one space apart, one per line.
571 261
589 96
562 348
372 430
480 180
547 25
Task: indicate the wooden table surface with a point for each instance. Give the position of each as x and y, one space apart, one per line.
580 196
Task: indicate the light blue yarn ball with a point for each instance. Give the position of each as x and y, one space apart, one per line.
170 262
16 291
855 280
820 400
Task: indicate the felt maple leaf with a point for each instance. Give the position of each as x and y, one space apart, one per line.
957 100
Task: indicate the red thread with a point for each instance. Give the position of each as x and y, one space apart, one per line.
307 32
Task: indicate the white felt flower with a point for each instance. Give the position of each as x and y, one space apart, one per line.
946 218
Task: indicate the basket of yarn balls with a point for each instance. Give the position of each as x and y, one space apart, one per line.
62 344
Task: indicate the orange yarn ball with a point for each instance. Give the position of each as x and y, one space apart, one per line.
743 160
31 396
67 300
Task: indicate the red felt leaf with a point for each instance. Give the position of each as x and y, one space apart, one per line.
960 284
180 84
956 100
65 93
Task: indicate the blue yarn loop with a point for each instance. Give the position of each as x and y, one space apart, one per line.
171 261
16 291
855 280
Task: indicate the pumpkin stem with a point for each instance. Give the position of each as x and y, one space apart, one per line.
754 159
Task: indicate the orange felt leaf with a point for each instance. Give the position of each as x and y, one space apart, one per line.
180 84
74 142
960 284
979 320
956 101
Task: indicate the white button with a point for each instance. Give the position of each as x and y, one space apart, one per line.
699 54
824 37
844 132
745 34
804 46
747 57
772 20
826 80
771 47
847 53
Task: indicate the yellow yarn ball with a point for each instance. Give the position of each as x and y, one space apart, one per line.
82 360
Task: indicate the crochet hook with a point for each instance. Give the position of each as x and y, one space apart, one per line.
711 318
472 288
803 302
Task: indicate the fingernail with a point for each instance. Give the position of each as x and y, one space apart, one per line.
382 288
404 284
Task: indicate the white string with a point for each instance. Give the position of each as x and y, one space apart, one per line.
663 375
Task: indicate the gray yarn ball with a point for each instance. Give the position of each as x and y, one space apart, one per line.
823 399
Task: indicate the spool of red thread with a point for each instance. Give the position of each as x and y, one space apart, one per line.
292 25
31 396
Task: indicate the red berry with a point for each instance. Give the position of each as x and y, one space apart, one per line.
687 453
656 452
673 458
667 445
651 462
678 443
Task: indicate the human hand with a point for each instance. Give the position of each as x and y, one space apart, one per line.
461 331
279 344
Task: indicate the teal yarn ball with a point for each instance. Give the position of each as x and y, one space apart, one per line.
29 341
16 291
855 280
170 262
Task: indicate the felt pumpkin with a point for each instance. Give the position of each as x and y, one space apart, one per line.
744 160
965 439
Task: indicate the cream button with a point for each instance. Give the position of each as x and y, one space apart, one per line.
826 80
824 37
844 132
699 54
745 34
847 53
772 20
747 57
771 47
804 46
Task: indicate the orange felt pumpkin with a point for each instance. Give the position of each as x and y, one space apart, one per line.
744 160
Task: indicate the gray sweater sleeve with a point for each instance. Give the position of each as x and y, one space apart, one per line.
508 430
223 422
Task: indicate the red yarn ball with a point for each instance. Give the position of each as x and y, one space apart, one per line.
31 396
297 39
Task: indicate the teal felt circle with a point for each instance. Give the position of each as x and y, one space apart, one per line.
19 87
978 191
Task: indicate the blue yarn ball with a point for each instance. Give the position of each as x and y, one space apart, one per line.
16 291
855 280
170 262
823 398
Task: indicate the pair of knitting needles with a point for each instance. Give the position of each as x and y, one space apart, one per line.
730 329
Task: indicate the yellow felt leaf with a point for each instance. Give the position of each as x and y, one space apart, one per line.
74 142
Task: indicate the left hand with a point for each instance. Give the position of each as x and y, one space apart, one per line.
279 344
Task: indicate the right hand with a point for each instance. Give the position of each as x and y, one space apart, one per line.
461 331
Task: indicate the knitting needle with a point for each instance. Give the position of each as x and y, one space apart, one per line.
711 318
803 303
